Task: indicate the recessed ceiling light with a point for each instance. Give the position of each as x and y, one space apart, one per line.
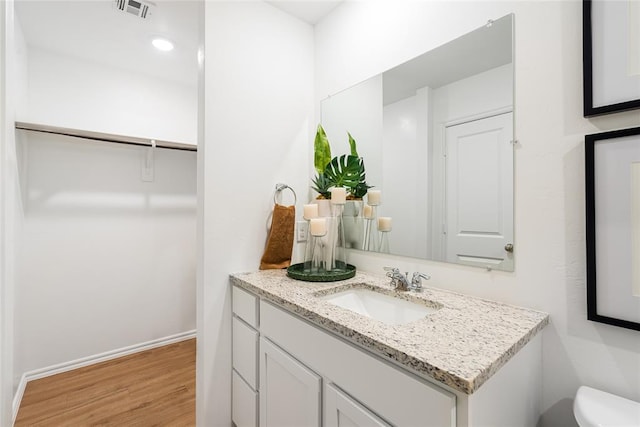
162 44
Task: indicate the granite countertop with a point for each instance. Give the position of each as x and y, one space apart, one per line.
461 345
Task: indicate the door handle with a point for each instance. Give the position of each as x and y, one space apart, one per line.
508 247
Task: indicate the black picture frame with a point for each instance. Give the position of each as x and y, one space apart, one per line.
592 262
587 64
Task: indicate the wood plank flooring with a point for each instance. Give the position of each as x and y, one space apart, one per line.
151 388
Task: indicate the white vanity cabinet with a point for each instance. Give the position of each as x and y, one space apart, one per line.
307 377
290 371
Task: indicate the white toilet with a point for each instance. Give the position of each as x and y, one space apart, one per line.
595 408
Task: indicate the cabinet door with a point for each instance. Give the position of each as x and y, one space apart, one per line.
290 392
340 410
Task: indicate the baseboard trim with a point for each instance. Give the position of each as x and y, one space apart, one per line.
17 398
37 374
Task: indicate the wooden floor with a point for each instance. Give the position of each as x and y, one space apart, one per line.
151 388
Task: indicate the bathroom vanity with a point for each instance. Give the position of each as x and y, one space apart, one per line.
301 358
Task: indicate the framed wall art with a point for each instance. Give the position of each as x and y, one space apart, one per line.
612 172
611 56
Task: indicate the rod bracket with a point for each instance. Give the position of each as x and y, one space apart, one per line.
148 163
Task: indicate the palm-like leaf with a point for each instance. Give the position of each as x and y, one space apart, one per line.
321 150
352 145
346 171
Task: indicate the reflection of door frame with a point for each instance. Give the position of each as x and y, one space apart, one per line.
438 232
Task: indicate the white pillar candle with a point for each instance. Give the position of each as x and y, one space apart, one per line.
318 226
367 212
338 195
373 197
310 211
384 223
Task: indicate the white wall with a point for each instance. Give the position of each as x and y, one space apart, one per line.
485 92
258 131
108 260
403 169
12 86
106 99
549 180
6 282
20 78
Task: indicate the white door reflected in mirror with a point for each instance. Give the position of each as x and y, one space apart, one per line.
479 191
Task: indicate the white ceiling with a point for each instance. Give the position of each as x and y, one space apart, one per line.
96 30
309 11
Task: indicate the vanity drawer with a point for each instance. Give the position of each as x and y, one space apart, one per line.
245 306
245 352
244 403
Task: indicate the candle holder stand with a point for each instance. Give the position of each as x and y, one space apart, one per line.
337 251
384 241
369 243
325 258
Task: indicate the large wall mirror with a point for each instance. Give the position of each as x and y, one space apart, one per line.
436 136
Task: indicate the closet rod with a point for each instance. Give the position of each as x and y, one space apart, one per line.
106 137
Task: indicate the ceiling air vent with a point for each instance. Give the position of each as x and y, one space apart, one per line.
142 9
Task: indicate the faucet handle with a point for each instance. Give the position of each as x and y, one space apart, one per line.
396 277
417 276
416 280
391 271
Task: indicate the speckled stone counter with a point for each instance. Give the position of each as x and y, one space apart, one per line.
461 345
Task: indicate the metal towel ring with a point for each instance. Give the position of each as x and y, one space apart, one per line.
279 188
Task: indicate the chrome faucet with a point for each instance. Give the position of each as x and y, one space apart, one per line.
400 282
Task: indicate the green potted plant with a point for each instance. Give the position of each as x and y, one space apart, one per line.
346 171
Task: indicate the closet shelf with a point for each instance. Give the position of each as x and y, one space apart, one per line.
105 137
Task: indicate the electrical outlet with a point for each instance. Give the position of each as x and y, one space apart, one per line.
301 231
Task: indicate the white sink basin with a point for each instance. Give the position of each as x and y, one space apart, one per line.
385 308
